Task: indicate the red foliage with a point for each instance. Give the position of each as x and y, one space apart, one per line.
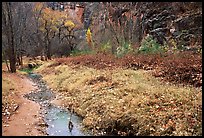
183 68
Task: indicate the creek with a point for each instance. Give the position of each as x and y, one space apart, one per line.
56 118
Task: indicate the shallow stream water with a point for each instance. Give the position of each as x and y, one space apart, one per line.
56 118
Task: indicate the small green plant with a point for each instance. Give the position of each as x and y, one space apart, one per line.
27 70
106 47
150 46
124 49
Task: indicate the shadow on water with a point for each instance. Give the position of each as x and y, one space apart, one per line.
56 118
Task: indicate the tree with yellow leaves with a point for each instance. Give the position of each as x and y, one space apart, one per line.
53 22
66 33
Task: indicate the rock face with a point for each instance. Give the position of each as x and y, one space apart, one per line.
181 21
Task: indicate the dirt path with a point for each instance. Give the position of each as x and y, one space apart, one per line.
26 119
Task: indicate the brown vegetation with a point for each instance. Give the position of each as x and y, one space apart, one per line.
116 96
184 67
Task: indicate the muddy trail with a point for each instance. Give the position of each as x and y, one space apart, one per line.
56 119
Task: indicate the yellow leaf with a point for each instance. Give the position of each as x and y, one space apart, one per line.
69 24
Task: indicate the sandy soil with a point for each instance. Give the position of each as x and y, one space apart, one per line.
25 121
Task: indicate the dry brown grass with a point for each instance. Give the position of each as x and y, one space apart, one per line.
125 101
182 67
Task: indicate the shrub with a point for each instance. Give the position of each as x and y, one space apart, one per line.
150 46
124 49
106 47
27 70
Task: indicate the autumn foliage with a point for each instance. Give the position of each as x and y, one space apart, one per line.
183 68
119 97
52 24
89 38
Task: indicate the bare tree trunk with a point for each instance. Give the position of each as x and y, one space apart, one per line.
49 51
12 60
47 43
5 58
7 66
112 29
12 54
21 59
7 16
18 59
